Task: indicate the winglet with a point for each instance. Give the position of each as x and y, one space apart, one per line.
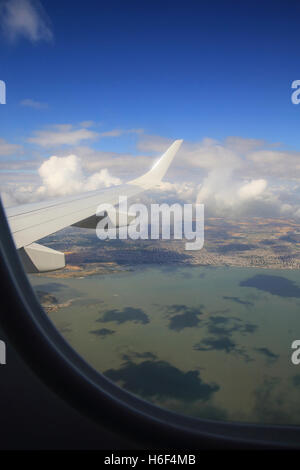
156 174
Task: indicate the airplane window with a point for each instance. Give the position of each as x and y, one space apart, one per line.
149 174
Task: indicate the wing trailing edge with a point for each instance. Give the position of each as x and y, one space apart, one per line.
40 259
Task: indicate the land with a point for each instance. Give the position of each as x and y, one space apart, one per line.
261 243
50 303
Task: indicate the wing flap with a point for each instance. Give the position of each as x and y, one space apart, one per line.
39 259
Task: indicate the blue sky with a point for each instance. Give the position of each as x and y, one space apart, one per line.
180 69
110 80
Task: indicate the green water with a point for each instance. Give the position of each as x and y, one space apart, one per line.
191 339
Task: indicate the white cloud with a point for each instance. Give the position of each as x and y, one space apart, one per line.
279 164
66 134
153 143
243 146
119 132
219 175
17 165
18 187
25 18
63 134
253 189
64 175
56 176
227 190
7 149
87 123
29 103
124 165
181 192
236 177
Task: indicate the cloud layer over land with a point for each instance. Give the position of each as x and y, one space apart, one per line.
236 177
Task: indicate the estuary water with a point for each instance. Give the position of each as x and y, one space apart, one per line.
204 341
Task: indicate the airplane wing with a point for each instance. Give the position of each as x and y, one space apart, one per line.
31 222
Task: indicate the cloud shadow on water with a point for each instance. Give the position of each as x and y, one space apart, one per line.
159 379
268 354
103 332
221 330
136 315
51 286
182 316
136 355
275 285
226 326
238 300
